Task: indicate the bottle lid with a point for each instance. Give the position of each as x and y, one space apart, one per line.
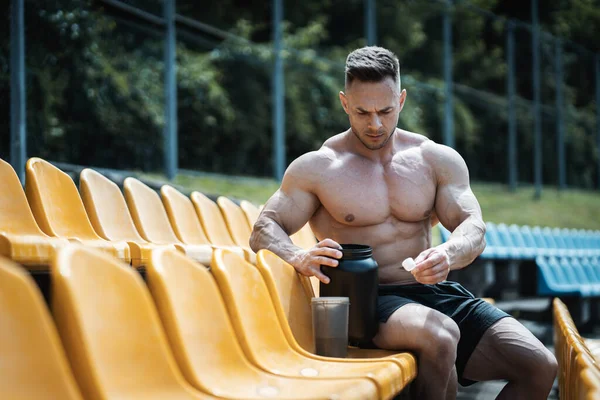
331 300
353 251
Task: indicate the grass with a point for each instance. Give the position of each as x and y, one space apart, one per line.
567 209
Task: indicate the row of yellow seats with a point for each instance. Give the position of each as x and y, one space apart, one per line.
127 227
191 333
578 358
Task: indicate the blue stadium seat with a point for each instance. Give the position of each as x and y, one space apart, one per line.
552 280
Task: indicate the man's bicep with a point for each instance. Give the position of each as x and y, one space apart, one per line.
454 204
455 201
291 208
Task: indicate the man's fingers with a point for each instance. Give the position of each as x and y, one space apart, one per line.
423 255
432 280
320 276
428 263
327 252
436 269
330 262
329 243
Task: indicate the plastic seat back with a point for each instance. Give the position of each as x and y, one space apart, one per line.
15 215
182 216
236 221
538 237
294 293
252 212
212 220
110 328
149 214
55 202
106 207
249 305
33 364
304 238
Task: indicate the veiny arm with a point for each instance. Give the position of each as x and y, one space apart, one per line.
458 210
288 210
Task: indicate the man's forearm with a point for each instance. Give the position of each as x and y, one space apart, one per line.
268 234
466 242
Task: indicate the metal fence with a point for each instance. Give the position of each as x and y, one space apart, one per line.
538 110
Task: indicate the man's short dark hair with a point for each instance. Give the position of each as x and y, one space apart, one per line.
372 64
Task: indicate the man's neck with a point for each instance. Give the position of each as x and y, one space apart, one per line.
381 155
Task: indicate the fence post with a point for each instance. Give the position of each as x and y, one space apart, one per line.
170 133
560 123
371 22
18 121
278 92
512 119
448 106
537 111
598 115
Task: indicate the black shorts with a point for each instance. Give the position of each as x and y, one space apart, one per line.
473 316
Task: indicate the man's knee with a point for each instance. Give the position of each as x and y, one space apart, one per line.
540 368
441 342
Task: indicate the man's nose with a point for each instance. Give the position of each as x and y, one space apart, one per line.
375 122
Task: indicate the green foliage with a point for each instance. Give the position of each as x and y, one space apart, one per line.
96 95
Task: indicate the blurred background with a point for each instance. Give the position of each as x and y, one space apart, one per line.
233 91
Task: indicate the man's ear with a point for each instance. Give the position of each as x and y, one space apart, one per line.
344 101
402 99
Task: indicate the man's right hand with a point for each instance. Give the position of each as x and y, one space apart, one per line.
308 262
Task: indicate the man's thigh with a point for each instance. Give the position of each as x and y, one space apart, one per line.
504 350
412 327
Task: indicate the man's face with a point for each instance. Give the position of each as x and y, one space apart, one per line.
373 109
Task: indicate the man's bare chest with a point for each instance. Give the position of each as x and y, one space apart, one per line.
359 196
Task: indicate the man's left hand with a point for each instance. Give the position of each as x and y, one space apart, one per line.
432 266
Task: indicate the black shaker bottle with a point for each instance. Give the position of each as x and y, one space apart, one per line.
355 277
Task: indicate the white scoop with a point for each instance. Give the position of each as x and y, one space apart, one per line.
409 264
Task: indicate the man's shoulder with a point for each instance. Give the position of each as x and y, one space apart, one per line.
437 153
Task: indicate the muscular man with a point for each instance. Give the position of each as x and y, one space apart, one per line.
385 187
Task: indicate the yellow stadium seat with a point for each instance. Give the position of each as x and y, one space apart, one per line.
150 218
184 219
21 239
32 361
573 355
304 238
205 344
111 330
214 225
590 384
237 224
59 211
292 304
255 321
109 215
252 212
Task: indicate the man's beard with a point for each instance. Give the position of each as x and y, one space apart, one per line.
378 146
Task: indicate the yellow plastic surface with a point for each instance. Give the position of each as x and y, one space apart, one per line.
205 345
255 321
214 225
288 292
32 361
109 215
577 365
304 238
150 218
236 221
21 239
59 211
111 330
252 212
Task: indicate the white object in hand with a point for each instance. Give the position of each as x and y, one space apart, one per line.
409 264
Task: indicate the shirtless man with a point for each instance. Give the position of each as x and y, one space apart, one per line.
385 187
